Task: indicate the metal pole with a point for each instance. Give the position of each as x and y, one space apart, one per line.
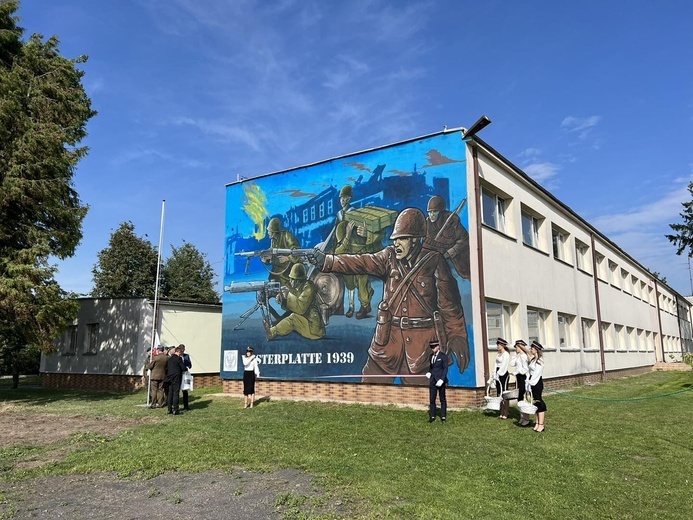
156 297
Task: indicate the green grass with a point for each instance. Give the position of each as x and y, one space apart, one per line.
601 456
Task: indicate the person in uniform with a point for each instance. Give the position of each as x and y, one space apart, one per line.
536 382
280 239
437 381
353 238
501 374
174 377
157 367
420 303
188 366
446 234
299 298
521 363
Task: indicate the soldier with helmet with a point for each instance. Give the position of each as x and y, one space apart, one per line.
420 303
445 234
280 239
299 299
353 238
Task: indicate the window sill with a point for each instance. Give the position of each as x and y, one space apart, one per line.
88 353
561 261
591 350
498 232
569 349
615 286
533 248
584 272
69 354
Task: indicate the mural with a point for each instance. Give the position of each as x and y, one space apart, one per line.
346 269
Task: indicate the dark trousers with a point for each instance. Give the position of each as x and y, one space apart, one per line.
435 391
186 404
173 397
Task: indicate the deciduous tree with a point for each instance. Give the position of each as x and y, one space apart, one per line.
189 276
43 115
127 267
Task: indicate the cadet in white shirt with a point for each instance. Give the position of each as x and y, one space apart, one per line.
521 363
536 369
502 363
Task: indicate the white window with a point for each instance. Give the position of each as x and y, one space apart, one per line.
650 294
536 325
71 339
588 333
92 338
618 337
648 341
565 325
636 286
322 209
631 343
640 339
606 334
530 229
305 215
498 321
625 281
558 237
312 213
493 210
613 273
329 207
644 293
581 252
601 267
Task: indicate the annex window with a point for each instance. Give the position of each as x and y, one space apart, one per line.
92 346
536 325
636 286
618 337
531 224
650 294
493 208
630 339
565 325
640 339
649 345
588 334
71 339
559 239
498 321
581 258
644 293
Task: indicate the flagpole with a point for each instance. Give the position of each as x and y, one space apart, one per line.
156 299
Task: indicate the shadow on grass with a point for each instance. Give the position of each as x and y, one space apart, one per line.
44 396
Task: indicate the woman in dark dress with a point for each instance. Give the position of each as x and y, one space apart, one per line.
251 370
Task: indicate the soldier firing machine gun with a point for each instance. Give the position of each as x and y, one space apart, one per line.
264 291
306 255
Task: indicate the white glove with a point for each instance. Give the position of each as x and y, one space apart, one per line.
428 375
439 383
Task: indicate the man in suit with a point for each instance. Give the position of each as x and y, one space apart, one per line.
157 367
437 380
174 377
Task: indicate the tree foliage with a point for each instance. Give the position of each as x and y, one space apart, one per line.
127 267
188 275
43 115
683 233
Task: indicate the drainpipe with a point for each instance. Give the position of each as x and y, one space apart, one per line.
595 276
480 260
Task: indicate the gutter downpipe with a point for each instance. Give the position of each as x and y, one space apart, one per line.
480 258
595 274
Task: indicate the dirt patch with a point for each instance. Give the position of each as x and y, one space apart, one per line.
210 495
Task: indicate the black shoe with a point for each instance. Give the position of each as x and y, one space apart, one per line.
176 413
432 419
186 409
170 411
442 419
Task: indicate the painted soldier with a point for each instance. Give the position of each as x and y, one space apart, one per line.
446 234
299 299
421 303
280 239
355 238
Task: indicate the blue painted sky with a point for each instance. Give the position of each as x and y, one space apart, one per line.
593 99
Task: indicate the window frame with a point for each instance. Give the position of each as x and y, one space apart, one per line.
499 213
91 341
506 314
542 318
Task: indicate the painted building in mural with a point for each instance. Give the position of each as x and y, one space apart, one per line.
344 270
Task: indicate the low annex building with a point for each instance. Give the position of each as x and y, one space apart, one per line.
105 348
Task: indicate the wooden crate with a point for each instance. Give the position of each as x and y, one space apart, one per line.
375 219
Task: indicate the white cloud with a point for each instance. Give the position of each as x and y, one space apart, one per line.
224 132
542 171
581 125
530 153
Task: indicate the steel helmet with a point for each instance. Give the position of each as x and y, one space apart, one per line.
437 203
274 225
346 191
410 223
298 272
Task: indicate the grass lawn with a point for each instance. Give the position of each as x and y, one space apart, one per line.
601 456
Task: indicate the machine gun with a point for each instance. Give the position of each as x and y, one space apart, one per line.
264 291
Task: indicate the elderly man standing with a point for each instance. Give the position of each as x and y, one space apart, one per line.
421 303
157 367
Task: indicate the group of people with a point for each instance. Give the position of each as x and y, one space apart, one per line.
529 368
166 377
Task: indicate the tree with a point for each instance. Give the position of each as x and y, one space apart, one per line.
189 276
127 267
43 115
683 237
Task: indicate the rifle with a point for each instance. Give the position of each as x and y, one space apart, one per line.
264 291
305 255
447 220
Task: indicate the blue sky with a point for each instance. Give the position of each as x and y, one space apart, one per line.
593 99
